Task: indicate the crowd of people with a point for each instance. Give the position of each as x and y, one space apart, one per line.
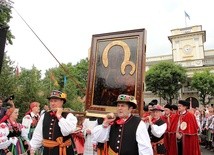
162 130
187 127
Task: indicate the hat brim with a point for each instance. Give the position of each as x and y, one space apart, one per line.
56 97
130 103
157 110
168 106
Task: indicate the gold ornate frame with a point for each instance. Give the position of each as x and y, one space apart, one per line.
117 66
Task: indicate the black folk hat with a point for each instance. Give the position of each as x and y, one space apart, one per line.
184 103
58 95
168 106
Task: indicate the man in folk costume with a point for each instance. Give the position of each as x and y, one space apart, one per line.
156 129
167 118
174 108
54 128
183 132
125 134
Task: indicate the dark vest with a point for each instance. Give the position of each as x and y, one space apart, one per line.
2 112
51 131
122 138
152 137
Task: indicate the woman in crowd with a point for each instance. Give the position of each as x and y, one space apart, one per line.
31 118
30 121
16 142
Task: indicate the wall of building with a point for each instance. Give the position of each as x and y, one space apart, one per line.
199 59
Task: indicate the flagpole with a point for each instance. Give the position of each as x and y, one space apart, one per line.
50 84
65 69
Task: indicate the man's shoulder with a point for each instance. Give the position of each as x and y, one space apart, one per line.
136 118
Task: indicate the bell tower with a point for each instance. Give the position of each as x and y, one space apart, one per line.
188 45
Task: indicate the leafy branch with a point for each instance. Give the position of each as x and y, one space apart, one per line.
5 16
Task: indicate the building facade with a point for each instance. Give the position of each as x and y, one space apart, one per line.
187 50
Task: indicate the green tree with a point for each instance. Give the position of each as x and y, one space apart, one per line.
26 86
74 86
29 89
165 79
8 81
81 74
29 86
204 83
5 16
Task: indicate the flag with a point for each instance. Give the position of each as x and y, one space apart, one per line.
17 71
52 77
65 80
186 15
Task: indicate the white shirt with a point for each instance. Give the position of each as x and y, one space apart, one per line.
4 132
67 126
88 145
211 126
101 135
26 122
158 131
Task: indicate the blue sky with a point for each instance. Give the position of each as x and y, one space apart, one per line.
67 26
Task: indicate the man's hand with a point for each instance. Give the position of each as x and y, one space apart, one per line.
109 118
59 112
88 131
178 135
32 152
149 119
95 147
9 153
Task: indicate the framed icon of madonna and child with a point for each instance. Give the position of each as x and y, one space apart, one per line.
116 66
